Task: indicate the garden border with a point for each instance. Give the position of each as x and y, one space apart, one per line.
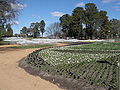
67 83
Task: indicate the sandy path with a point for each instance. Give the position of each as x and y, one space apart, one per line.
14 78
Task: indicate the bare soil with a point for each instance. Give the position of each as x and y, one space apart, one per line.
13 77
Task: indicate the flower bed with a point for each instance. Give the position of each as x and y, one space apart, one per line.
95 67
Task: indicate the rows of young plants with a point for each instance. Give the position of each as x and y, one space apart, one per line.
99 46
95 66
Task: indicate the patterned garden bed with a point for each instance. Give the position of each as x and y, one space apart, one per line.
89 68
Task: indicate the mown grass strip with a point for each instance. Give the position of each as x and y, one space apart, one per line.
99 46
33 46
4 42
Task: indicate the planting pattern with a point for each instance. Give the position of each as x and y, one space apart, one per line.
96 67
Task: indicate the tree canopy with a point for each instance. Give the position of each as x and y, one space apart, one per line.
84 23
9 30
42 27
34 30
54 30
87 23
8 10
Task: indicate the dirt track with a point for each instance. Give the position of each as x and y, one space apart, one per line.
13 77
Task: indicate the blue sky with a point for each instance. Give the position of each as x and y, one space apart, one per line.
51 10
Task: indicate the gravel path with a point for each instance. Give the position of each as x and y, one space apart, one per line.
13 77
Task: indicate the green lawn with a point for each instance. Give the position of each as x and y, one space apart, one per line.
33 46
4 42
99 46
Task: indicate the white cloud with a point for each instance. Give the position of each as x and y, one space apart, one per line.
18 6
81 4
57 14
7 13
108 1
36 16
118 3
15 22
117 8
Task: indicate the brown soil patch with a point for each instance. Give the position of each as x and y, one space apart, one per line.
60 44
4 48
1 46
13 77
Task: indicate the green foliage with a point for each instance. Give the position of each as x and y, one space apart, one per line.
91 19
9 31
8 13
42 27
94 67
33 46
66 24
77 22
115 25
0 38
34 30
24 31
87 23
106 31
99 46
4 42
2 31
6 31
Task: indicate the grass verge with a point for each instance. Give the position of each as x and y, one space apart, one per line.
100 46
33 46
4 42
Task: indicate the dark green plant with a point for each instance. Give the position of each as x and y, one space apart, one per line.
9 32
42 27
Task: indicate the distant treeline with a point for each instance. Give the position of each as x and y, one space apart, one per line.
83 23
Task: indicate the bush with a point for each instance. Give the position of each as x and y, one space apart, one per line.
1 39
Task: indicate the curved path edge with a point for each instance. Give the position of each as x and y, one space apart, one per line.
64 83
13 77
